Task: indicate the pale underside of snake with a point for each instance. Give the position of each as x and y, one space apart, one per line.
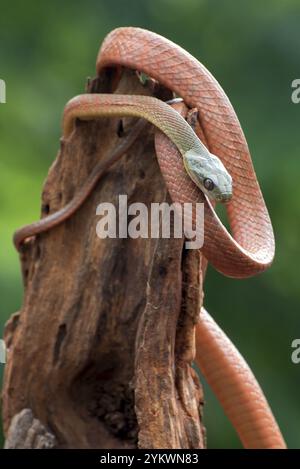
250 248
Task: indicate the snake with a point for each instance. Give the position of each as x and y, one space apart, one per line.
208 164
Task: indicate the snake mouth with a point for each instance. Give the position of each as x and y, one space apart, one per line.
224 198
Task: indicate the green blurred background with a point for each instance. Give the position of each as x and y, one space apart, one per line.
46 52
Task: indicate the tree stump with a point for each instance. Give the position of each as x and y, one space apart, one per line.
100 354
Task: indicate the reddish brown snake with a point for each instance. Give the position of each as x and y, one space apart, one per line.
248 252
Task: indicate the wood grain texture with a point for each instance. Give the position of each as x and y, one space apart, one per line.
101 349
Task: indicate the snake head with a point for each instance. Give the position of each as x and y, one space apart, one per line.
209 174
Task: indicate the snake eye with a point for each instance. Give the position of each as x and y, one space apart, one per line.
208 184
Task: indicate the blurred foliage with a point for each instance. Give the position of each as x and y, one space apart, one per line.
49 48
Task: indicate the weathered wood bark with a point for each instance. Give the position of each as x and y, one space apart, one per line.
100 354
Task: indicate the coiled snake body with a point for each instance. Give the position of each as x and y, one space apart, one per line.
250 248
